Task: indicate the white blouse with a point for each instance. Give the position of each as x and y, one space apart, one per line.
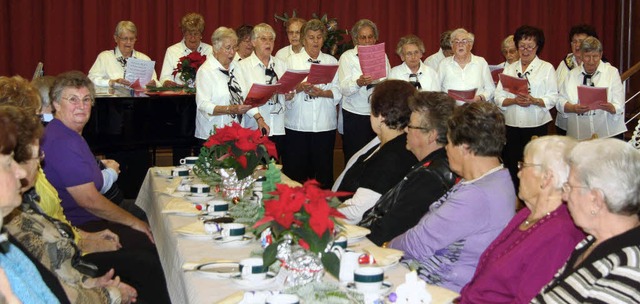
603 123
251 70
355 97
475 75
307 114
176 52
212 90
542 84
107 67
427 77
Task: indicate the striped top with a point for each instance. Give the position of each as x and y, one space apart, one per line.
610 274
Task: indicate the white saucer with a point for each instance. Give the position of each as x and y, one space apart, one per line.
199 194
355 239
386 287
245 240
195 236
255 284
219 270
199 199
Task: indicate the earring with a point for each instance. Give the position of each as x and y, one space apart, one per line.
593 212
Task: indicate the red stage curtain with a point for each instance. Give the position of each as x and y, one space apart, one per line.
69 34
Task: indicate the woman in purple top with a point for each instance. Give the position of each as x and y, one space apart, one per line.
71 167
538 240
447 242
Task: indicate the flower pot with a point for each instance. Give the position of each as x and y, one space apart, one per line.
232 187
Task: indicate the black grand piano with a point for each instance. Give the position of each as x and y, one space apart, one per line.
129 127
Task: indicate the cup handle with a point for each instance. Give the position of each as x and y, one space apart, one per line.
339 251
183 161
246 270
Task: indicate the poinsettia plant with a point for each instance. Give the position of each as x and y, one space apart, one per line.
188 67
307 215
234 147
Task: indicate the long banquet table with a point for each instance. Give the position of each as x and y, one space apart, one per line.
174 250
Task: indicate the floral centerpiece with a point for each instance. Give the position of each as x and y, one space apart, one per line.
233 151
334 43
188 67
304 216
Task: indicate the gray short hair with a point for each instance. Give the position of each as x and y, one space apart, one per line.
71 79
591 44
549 152
611 166
461 31
262 28
220 34
507 41
434 108
125 25
359 25
409 39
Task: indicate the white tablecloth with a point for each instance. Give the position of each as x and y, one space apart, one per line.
193 287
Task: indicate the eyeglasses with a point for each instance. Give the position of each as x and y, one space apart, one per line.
509 51
127 39
418 128
75 100
566 187
461 42
522 165
528 48
415 53
230 48
293 32
266 39
193 34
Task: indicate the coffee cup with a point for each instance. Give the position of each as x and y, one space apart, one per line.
189 161
218 207
200 189
180 171
283 299
368 279
340 241
253 269
232 231
348 263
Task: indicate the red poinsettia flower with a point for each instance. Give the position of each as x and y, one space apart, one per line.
242 160
303 244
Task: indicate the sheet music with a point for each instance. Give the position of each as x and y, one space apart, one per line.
290 80
139 69
496 70
462 95
514 85
591 96
259 94
322 73
372 60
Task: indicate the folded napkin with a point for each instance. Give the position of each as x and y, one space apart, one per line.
384 256
354 232
205 261
235 298
195 228
180 205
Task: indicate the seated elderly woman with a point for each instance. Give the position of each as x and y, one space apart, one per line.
72 170
603 197
356 88
16 91
447 242
606 118
465 71
109 68
218 92
25 278
293 27
192 26
538 240
50 241
384 165
410 49
402 207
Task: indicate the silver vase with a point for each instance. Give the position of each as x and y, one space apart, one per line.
231 187
300 266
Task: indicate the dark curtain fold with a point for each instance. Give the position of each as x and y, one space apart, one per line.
69 34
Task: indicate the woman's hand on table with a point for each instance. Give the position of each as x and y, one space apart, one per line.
120 81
